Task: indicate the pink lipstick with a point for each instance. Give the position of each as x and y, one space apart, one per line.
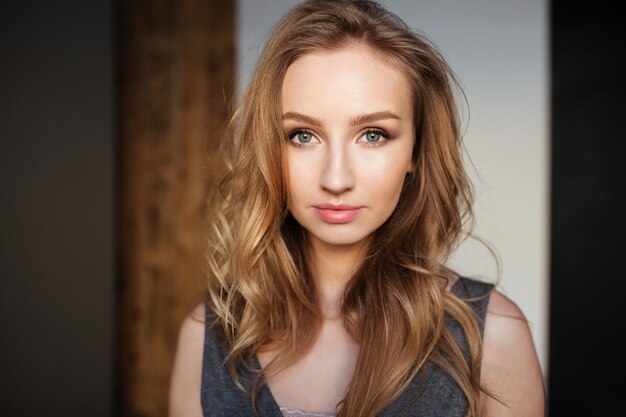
337 213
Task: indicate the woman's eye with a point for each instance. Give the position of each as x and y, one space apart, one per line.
374 136
302 137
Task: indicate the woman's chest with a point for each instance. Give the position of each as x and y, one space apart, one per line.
317 382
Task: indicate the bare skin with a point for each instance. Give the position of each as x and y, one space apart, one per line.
341 167
510 367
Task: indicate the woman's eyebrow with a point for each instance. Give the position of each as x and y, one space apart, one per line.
301 118
354 121
372 117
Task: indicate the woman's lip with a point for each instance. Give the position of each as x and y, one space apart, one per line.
337 214
336 207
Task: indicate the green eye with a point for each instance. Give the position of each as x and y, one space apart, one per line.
304 137
301 137
372 136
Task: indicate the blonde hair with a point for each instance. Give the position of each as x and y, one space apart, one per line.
260 287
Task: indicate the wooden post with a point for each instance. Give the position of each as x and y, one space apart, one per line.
176 61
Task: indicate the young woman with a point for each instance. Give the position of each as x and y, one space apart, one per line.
344 195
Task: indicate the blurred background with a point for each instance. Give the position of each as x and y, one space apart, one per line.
109 114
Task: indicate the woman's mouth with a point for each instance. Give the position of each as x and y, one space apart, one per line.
337 213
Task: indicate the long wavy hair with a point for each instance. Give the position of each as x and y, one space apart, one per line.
260 287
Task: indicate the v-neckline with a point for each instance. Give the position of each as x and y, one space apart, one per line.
266 398
268 401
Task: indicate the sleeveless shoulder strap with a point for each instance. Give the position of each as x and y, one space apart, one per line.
476 294
219 394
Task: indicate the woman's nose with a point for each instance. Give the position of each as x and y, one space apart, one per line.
337 174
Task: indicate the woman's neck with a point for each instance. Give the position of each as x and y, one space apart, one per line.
332 266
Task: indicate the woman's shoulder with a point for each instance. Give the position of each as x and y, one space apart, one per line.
187 370
192 328
510 366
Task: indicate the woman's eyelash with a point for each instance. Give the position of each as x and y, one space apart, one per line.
372 134
293 133
381 132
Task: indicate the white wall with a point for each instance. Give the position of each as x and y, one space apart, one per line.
499 50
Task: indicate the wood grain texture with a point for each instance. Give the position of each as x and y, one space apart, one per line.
176 62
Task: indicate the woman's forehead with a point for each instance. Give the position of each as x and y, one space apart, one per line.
353 80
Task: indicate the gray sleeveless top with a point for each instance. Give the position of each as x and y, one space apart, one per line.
432 393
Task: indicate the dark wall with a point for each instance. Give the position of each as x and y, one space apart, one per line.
57 208
588 282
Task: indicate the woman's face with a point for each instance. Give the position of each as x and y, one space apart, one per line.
348 120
